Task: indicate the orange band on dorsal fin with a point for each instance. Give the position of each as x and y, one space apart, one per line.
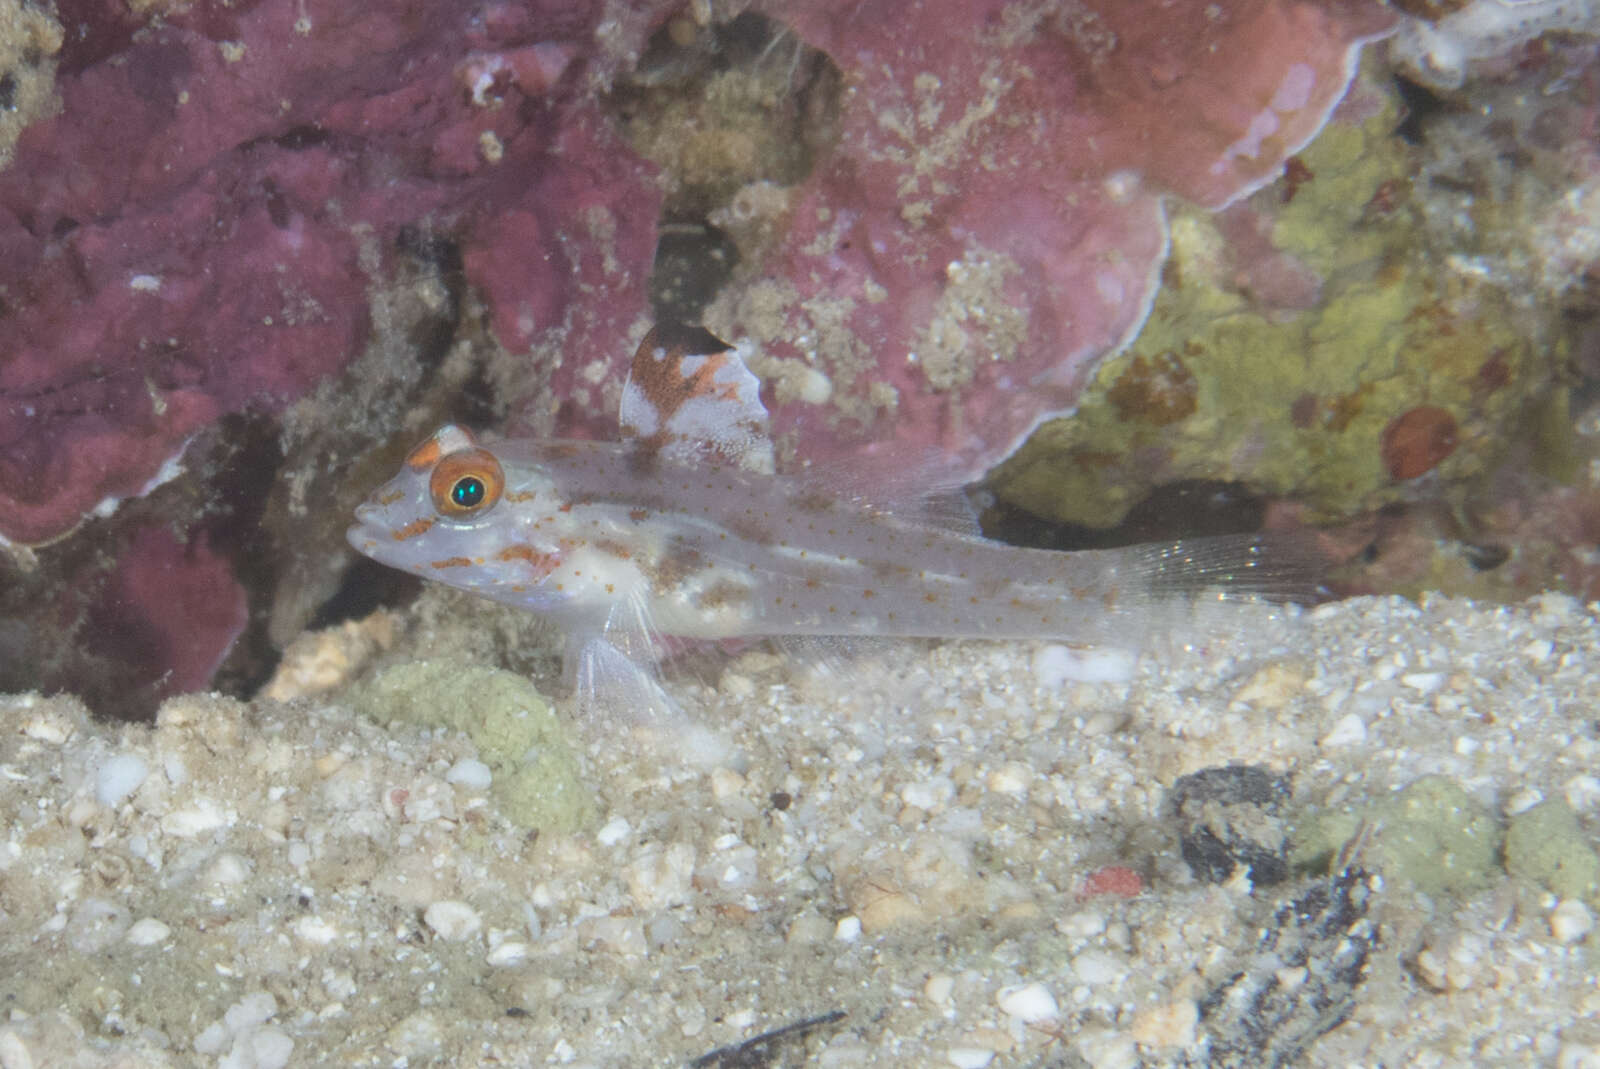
447 439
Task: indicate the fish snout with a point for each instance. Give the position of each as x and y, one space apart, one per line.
372 527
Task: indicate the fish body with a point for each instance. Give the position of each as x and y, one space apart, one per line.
681 529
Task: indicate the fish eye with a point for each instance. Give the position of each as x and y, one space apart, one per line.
466 483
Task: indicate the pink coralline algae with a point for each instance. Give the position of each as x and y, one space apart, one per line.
197 230
169 614
991 220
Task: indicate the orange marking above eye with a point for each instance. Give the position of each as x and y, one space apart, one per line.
423 456
466 483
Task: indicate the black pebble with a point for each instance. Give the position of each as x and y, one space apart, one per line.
1229 817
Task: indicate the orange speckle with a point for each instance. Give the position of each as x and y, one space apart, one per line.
638 515
542 564
413 528
453 562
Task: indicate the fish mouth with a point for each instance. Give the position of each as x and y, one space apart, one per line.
366 534
362 537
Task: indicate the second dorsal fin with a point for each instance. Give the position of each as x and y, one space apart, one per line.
689 398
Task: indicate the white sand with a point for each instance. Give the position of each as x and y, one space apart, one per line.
905 839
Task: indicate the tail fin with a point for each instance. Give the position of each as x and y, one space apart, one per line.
1271 567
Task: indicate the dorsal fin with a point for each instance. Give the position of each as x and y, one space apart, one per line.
447 439
689 398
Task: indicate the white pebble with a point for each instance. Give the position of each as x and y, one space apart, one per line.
205 815
315 931
613 832
661 877
452 920
1583 793
212 1039
230 870
147 932
1423 682
929 794
1028 1003
46 728
1522 801
1055 664
1571 921
1105 1049
1576 1055
270 1048
726 784
418 1036
508 954
1011 778
14 1053
938 988
254 1009
848 930
969 1057
1538 651
1349 731
1100 968
471 774
118 777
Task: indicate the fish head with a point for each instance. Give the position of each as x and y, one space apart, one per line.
457 514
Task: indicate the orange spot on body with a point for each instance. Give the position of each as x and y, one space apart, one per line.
453 562
542 564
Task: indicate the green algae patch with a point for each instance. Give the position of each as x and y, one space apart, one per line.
1433 835
1545 844
1311 343
537 781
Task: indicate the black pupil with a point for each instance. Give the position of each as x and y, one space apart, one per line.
467 492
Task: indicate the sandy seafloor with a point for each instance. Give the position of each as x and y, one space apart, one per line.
908 837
